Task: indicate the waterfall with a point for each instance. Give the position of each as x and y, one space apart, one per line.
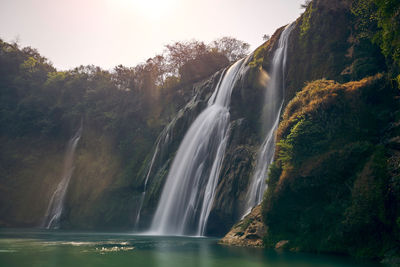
137 220
189 190
271 113
162 140
56 204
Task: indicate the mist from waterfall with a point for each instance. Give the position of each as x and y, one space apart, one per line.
271 113
56 204
189 190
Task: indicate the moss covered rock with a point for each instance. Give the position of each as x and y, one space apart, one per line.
329 185
249 232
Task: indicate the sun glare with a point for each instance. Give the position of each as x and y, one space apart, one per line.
151 9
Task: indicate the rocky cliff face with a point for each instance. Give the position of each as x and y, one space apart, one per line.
155 167
333 178
238 161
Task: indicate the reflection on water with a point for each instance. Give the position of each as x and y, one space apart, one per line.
60 248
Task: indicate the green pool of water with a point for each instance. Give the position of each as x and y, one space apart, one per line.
60 248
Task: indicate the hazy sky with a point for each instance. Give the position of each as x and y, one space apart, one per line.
111 32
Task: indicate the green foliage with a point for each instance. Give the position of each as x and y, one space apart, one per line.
388 15
245 223
305 23
37 100
262 53
258 56
380 22
367 209
318 46
330 169
303 141
274 172
29 65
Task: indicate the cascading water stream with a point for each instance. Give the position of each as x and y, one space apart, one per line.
56 204
271 113
137 220
189 191
164 139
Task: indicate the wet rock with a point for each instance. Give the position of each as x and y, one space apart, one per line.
283 244
248 232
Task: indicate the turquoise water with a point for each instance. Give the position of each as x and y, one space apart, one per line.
60 248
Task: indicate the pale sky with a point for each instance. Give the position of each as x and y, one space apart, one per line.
107 33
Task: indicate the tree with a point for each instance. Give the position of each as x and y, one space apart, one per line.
232 48
306 4
124 78
178 53
158 66
203 66
266 37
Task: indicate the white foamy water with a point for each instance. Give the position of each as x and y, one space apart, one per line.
189 191
271 114
56 204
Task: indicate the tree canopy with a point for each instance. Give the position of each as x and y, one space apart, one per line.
36 99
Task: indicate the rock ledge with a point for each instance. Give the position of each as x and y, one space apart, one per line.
249 232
